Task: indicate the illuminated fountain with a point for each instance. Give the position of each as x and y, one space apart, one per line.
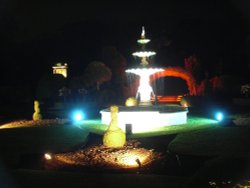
116 152
145 116
145 91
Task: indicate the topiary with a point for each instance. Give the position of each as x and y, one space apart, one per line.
114 137
36 115
131 101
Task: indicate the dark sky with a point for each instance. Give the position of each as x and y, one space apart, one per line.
36 34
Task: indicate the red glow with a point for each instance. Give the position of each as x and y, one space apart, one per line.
180 73
168 99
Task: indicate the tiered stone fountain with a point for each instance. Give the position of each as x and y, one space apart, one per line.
145 116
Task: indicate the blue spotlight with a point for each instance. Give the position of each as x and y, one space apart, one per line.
78 116
219 116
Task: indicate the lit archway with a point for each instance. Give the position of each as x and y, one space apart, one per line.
180 73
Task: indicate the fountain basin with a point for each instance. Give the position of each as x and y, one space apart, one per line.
145 118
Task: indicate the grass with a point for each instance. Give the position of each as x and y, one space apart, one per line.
223 171
34 178
15 142
60 137
214 141
194 123
200 136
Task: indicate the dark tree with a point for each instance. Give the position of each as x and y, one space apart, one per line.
116 61
49 85
97 73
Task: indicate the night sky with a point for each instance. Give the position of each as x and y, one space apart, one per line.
37 34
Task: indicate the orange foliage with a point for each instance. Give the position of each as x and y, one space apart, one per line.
167 99
180 73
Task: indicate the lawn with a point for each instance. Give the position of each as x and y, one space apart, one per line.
16 142
200 136
214 141
194 123
40 179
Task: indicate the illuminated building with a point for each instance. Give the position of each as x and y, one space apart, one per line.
60 69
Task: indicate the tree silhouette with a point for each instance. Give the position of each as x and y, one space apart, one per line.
117 63
192 64
97 73
49 85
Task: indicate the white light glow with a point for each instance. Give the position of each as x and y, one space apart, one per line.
143 32
144 90
144 54
143 41
132 160
47 156
144 71
78 115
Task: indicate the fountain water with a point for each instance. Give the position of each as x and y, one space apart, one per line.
145 116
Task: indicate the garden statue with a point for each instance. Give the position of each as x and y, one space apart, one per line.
36 115
114 137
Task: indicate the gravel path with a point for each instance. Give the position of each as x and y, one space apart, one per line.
27 123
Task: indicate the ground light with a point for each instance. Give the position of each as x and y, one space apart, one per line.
219 116
77 116
47 156
98 156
